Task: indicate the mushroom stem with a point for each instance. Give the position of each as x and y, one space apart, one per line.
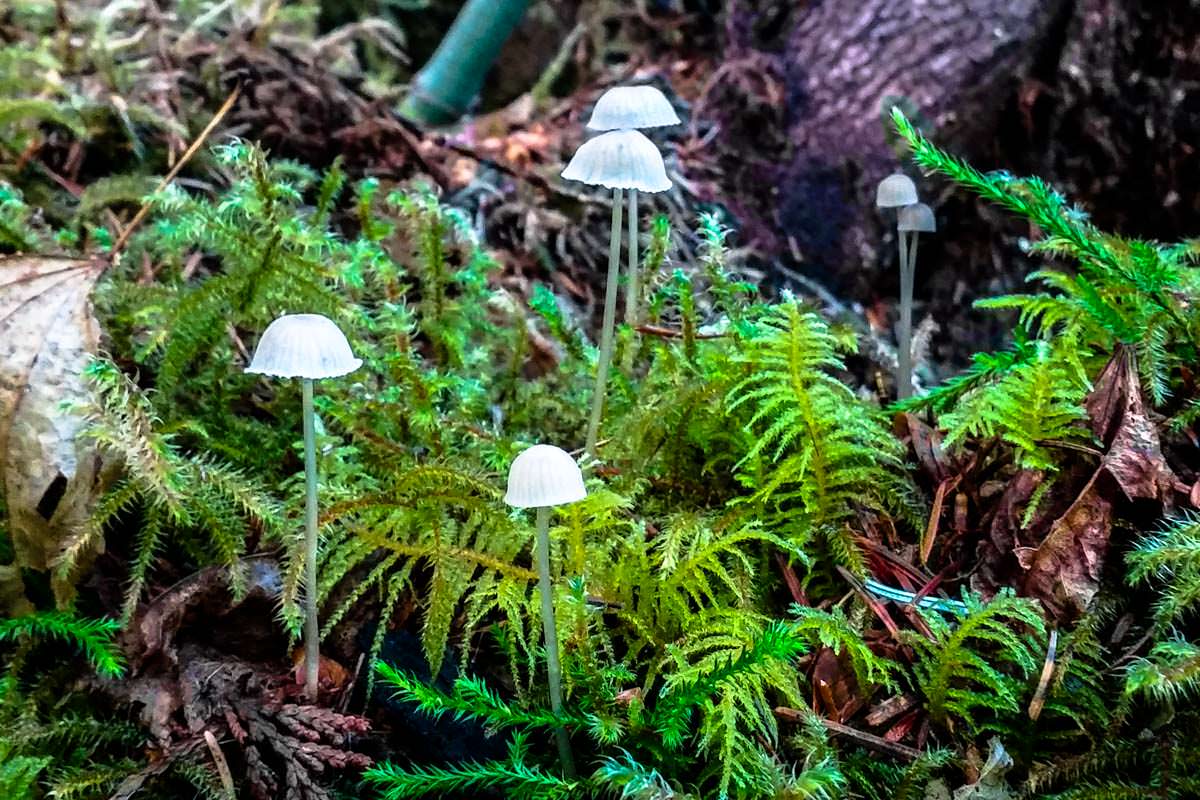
551 635
633 289
904 343
606 333
312 654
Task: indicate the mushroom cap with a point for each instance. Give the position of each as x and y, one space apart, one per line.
303 346
896 191
917 217
632 107
619 160
544 475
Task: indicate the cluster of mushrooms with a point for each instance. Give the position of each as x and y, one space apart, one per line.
311 347
622 159
912 219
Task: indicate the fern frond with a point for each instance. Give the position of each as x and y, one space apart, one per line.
94 637
978 659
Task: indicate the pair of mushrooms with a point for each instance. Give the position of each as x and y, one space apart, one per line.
312 347
912 218
622 159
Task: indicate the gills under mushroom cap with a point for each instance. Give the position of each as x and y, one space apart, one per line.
917 217
632 107
896 191
303 346
619 160
542 476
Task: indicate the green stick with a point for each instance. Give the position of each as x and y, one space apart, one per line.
610 320
904 345
312 644
550 629
444 88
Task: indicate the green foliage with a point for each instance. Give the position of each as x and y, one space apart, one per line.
93 637
819 453
273 259
712 685
1035 403
1121 292
206 505
974 668
48 735
1170 558
512 776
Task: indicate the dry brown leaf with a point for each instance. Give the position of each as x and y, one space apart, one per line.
1064 570
1119 419
47 335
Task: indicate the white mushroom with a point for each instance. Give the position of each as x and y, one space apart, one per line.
899 192
303 346
310 347
917 218
630 108
896 191
542 477
617 160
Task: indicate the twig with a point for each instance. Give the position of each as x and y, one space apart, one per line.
864 738
222 765
791 579
671 333
170 176
1039 697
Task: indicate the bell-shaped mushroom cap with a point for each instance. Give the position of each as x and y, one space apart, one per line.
896 191
917 217
632 107
542 476
303 346
619 160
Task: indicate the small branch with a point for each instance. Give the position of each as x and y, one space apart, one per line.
123 239
671 333
862 737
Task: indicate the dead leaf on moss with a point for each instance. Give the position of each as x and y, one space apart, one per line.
1064 570
1118 413
47 335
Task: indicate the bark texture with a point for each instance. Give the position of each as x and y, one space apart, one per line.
953 61
1100 97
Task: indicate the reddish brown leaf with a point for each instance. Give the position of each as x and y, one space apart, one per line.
1064 570
1119 419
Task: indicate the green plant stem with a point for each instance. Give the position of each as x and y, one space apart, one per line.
633 288
606 333
550 629
904 344
312 645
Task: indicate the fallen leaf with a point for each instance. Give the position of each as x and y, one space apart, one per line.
1119 419
1064 570
47 335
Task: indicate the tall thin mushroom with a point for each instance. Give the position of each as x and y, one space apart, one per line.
912 220
617 160
543 477
632 108
309 347
898 191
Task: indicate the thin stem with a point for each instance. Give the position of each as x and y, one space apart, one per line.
312 644
633 288
904 344
610 319
550 629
